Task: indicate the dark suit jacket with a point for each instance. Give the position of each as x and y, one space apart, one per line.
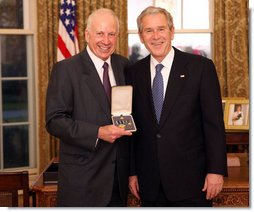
189 141
77 106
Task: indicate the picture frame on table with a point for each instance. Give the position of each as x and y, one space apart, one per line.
236 114
224 101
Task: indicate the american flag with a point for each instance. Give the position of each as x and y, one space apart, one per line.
68 30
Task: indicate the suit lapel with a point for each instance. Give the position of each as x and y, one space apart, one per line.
93 81
145 88
175 84
118 75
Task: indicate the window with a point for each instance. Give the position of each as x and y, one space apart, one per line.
192 21
17 97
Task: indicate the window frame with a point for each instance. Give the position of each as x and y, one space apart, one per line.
28 30
188 31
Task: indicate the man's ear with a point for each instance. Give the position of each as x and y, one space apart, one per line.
172 31
87 36
140 37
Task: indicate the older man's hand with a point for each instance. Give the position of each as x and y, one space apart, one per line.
213 185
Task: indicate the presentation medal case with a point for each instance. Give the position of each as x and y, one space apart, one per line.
121 107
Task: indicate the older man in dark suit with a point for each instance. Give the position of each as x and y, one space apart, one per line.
94 155
179 151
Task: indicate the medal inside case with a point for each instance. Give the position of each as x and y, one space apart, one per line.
121 107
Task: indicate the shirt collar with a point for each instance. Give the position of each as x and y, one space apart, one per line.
98 63
166 62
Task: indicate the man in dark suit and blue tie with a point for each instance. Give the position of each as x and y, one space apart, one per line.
94 154
179 151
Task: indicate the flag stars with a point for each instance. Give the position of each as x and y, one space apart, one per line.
67 17
67 22
68 12
72 33
61 12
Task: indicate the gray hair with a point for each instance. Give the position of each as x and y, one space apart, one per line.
154 10
100 11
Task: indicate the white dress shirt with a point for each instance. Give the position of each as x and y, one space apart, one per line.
98 63
167 63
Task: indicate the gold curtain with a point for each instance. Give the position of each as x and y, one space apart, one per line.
48 14
231 46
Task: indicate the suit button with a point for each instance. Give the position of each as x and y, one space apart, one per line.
158 135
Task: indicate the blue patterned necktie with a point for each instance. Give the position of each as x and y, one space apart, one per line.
157 91
106 82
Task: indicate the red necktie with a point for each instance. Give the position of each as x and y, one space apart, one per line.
106 82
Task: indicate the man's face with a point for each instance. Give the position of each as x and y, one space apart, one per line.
102 35
156 35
